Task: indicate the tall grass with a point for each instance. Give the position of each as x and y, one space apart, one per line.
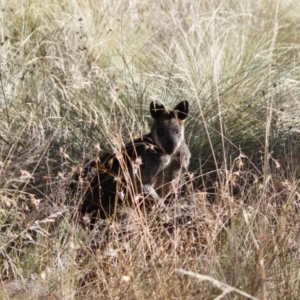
77 77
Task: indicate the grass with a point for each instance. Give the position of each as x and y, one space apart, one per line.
76 77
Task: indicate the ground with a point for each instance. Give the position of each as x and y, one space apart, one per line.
77 79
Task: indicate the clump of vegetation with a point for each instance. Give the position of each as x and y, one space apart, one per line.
77 78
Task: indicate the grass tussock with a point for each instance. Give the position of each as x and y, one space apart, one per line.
77 78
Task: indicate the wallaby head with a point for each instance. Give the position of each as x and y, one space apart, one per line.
168 128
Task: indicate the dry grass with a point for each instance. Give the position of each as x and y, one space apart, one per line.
76 76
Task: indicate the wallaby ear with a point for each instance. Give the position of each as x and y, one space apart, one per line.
157 110
182 110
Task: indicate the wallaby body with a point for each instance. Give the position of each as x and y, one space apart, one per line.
149 165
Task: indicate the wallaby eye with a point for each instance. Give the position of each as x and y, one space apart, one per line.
177 131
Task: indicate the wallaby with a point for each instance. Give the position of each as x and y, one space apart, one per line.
150 165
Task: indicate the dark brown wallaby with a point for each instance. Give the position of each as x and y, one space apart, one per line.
151 165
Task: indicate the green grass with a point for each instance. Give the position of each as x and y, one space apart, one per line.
75 76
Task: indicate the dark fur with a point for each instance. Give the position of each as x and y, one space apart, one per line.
146 165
